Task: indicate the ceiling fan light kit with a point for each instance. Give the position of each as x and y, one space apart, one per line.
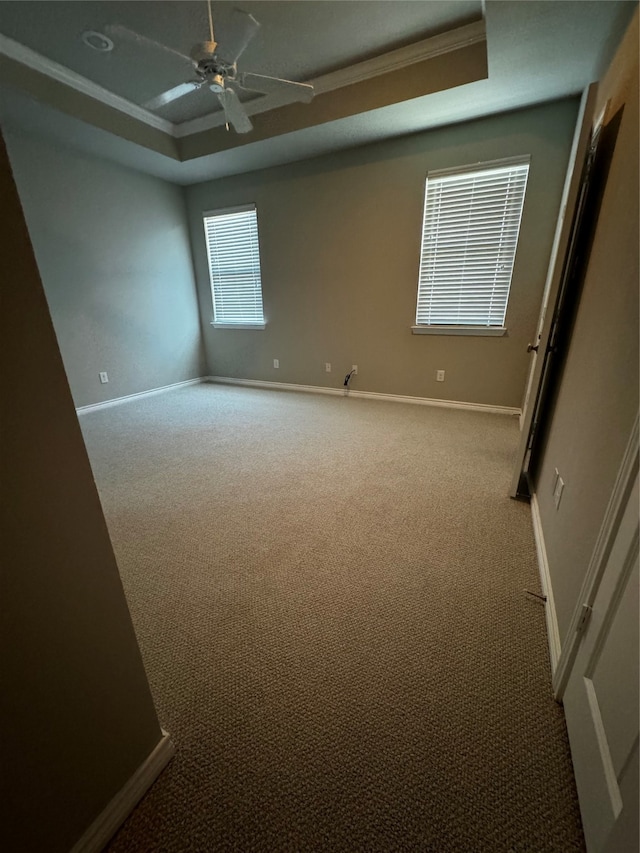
216 68
216 83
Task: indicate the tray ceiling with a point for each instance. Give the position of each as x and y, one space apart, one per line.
297 40
380 68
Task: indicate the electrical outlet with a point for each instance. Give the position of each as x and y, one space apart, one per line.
276 362
557 492
104 378
327 366
354 369
439 375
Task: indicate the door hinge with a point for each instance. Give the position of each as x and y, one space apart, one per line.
585 615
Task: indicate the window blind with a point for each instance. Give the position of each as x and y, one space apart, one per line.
234 266
469 238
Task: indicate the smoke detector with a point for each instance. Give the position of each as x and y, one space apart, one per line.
97 41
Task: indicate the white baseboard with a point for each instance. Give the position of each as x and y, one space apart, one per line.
553 633
368 395
121 806
93 407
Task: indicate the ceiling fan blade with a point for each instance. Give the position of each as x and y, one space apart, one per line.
121 32
275 86
170 95
234 111
242 28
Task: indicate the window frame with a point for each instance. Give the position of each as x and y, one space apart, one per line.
496 330
225 211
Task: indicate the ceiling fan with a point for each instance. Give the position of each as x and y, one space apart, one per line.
216 68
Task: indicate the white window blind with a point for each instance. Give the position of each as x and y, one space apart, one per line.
234 266
469 238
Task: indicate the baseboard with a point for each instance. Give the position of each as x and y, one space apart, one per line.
553 633
121 806
116 401
367 395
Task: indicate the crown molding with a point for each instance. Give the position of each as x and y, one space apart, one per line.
394 60
386 63
42 64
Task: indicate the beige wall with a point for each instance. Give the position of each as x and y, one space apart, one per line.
340 241
598 395
76 714
113 250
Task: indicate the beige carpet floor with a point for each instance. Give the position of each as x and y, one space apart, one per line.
328 595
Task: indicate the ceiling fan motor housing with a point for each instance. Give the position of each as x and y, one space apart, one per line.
203 52
210 67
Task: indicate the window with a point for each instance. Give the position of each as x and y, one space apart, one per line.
469 237
234 267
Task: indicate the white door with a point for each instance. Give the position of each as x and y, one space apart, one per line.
565 233
601 699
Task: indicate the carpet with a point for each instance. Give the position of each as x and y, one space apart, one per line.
329 598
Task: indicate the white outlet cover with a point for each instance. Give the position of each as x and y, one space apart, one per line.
276 362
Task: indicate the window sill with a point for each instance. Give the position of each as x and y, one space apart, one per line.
493 331
238 325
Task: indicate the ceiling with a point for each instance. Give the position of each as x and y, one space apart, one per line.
380 69
297 40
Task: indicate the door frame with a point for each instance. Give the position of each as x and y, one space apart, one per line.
611 522
573 194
